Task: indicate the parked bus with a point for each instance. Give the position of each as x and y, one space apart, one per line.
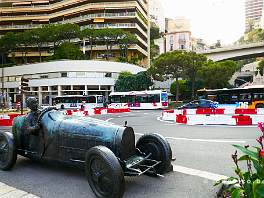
247 97
79 102
156 99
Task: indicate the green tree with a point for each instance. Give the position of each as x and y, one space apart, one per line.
133 82
68 51
169 65
184 89
39 38
90 35
194 62
8 44
261 67
125 41
217 74
24 41
68 31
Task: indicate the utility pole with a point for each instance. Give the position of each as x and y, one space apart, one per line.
24 89
2 80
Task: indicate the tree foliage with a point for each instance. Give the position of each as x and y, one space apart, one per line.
216 75
261 67
68 51
133 82
49 37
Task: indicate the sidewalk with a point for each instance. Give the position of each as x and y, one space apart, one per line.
10 192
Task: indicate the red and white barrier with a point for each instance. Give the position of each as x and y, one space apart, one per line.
210 116
7 120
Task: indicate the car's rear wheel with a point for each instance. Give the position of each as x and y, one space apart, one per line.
8 155
159 148
104 173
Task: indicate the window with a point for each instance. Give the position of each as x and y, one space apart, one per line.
11 78
80 74
171 39
64 74
171 47
108 75
44 76
66 87
44 88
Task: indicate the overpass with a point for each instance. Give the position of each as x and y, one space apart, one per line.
235 52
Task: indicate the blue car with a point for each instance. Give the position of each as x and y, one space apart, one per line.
202 103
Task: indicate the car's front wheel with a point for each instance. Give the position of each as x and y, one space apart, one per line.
8 155
104 173
159 148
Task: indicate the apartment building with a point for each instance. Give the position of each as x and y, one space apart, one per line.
254 13
129 15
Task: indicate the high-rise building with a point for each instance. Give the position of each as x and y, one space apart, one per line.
254 12
157 16
129 15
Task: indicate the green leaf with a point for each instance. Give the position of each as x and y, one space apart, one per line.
236 193
260 190
244 158
246 151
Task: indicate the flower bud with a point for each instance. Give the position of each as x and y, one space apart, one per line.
261 153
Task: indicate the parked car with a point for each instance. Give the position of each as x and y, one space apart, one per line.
202 103
106 151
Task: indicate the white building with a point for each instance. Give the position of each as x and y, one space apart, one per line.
68 77
157 16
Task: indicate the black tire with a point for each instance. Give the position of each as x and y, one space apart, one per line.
104 173
8 154
260 105
159 148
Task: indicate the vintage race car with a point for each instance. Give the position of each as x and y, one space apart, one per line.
106 151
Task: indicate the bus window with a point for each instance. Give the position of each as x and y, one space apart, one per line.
124 99
100 99
210 97
224 99
233 99
131 99
245 97
258 96
91 99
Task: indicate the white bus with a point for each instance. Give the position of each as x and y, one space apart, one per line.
156 99
79 102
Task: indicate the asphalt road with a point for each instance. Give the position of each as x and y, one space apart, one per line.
199 151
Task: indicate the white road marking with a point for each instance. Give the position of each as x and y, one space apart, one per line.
146 113
198 173
109 119
160 119
203 140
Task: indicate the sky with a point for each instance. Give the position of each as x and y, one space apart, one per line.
211 20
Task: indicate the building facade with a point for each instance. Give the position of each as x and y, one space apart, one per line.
50 79
130 15
157 16
254 13
178 35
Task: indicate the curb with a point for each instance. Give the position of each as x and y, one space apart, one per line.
11 192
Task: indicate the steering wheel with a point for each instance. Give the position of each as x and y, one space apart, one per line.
45 111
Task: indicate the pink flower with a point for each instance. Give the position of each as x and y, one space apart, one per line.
260 141
261 153
260 126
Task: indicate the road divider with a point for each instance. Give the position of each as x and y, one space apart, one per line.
7 120
218 116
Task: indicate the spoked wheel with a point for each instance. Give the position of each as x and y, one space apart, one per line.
104 173
159 148
8 155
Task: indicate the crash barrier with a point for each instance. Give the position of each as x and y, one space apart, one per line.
96 111
210 116
7 120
